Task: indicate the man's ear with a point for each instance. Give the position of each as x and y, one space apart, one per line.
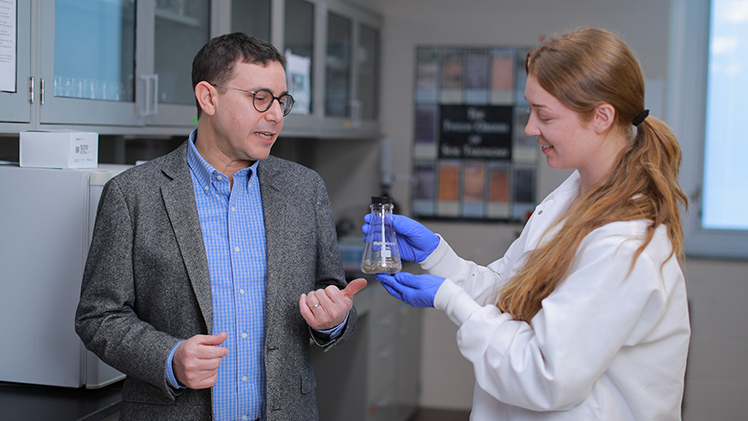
605 116
206 95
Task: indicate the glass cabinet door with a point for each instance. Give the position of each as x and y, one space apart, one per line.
181 28
351 71
298 36
251 17
90 77
94 50
338 66
367 68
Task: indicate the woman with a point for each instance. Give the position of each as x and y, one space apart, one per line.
585 317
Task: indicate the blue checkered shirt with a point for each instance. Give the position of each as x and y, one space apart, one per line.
231 220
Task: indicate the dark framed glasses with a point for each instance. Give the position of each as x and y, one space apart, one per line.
262 99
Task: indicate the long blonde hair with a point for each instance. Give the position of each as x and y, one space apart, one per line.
584 69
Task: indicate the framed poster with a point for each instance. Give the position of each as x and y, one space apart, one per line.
472 158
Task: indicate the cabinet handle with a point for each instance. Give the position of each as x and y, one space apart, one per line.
41 91
155 94
356 113
31 89
150 100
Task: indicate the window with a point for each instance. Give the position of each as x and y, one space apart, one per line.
708 95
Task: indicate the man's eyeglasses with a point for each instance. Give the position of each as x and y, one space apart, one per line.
262 99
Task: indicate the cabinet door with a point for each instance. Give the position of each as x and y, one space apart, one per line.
15 67
367 72
299 43
87 62
338 65
366 69
180 29
351 71
251 17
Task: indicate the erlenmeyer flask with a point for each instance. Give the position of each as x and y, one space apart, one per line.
381 254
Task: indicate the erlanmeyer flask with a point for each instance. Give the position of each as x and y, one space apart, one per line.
381 254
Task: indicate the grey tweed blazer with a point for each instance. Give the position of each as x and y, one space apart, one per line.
146 284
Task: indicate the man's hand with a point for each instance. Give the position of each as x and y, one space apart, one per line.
196 360
325 309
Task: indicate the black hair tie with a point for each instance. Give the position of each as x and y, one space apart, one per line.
638 120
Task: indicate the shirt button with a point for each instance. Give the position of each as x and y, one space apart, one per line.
241 291
219 178
244 378
233 209
236 249
244 417
206 188
540 212
244 335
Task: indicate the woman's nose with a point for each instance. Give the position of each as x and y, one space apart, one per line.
531 129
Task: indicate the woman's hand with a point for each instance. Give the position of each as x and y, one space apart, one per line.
415 241
414 290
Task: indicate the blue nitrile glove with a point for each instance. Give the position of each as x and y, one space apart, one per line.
414 290
415 241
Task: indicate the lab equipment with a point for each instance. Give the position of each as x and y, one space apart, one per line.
381 254
48 216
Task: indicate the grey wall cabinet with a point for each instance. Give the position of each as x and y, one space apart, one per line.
110 67
125 67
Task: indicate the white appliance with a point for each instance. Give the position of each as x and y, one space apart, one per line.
46 222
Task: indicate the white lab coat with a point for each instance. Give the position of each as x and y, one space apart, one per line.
606 345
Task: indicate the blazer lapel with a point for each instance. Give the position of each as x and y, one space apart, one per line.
273 207
179 200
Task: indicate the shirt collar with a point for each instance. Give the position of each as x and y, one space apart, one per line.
202 170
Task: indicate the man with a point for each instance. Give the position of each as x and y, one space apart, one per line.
212 267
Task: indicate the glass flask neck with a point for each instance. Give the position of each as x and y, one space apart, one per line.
381 207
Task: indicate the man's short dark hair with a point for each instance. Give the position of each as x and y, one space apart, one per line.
214 63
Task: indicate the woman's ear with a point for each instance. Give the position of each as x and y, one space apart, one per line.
206 95
605 116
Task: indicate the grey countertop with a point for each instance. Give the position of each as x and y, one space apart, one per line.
24 402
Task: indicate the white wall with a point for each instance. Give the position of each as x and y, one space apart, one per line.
717 378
